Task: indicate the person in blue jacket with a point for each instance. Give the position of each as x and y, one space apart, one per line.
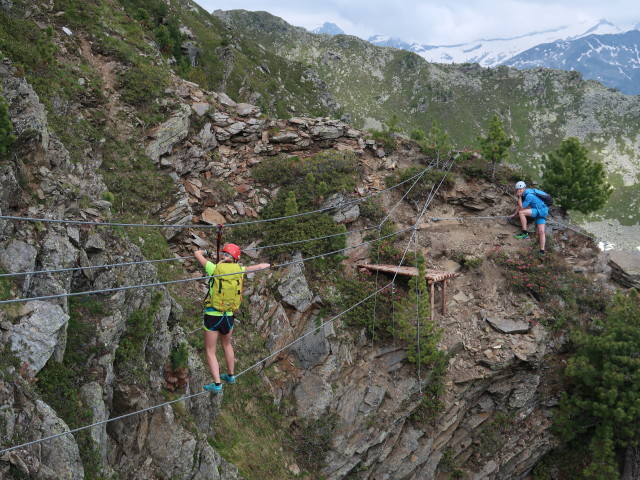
530 205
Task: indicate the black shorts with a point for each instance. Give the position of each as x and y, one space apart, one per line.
222 324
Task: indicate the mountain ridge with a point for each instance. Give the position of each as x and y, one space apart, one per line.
536 49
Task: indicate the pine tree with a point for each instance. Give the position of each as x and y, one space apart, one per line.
495 146
575 181
6 127
602 402
416 309
436 144
415 326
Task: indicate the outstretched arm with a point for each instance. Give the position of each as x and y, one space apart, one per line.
199 254
260 266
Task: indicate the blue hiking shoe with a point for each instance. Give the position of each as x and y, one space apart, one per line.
212 387
231 379
522 235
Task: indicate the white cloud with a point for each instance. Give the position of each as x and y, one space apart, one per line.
442 23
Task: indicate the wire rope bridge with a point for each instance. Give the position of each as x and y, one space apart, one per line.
432 276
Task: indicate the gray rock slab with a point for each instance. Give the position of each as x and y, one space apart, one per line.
34 337
509 326
625 268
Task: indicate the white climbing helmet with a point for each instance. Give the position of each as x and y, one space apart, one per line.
520 185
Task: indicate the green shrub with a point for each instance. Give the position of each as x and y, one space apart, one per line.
141 85
303 189
424 186
6 127
528 272
108 196
313 441
179 357
129 359
372 210
387 140
338 170
375 314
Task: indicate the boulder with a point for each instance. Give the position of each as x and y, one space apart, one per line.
212 217
343 214
169 133
294 287
246 109
625 268
224 99
34 337
509 326
325 132
313 348
18 257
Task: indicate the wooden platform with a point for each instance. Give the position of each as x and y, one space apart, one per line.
432 276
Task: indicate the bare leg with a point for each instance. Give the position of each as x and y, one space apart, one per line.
523 218
542 235
229 356
210 341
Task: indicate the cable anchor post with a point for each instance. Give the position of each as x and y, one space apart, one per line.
218 242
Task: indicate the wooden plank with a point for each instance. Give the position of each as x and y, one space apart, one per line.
431 274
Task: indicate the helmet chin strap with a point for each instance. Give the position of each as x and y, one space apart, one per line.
220 227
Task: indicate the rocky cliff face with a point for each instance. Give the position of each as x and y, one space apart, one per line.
500 393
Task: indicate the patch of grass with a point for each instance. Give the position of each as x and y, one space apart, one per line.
129 359
7 284
375 314
155 247
250 422
143 85
140 188
8 359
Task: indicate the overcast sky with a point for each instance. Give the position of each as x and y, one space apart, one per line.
441 23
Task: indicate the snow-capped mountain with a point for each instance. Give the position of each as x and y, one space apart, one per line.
329 29
497 51
613 60
600 52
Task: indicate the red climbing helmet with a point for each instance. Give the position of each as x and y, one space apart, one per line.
233 250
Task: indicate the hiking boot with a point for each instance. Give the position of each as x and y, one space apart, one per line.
541 252
231 379
212 387
522 235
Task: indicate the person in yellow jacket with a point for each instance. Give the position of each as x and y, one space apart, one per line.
218 322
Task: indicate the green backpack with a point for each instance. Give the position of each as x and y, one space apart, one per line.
225 293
